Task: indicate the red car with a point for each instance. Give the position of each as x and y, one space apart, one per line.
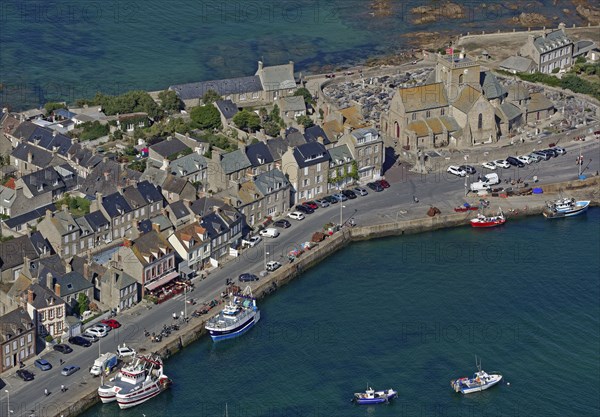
112 323
311 204
384 183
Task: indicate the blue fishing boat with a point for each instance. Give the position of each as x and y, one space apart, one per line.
565 207
236 318
370 396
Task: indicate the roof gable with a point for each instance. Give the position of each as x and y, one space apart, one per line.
423 97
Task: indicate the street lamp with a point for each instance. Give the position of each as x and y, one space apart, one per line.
466 186
265 253
8 402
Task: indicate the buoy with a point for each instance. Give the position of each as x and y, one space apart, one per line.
508 383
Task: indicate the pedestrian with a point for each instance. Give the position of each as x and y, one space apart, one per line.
174 316
61 361
62 388
46 393
182 314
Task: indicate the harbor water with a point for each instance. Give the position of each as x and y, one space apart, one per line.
411 313
66 50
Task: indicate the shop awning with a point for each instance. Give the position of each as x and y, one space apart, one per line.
162 281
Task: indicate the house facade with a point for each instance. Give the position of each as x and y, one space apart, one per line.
192 244
306 167
17 338
47 310
550 50
367 147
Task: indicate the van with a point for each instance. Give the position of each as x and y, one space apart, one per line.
491 179
106 361
479 186
269 232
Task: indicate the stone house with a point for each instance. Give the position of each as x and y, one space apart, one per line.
192 168
341 167
227 169
175 189
239 90
14 253
167 150
144 198
194 141
52 181
550 50
476 115
106 177
116 209
277 81
18 337
179 213
538 108
292 107
69 286
366 146
192 244
227 109
306 166
28 158
46 309
261 159
118 289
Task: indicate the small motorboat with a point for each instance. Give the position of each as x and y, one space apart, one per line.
488 221
480 381
370 396
465 207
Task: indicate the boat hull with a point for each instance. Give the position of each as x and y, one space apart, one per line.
466 389
236 331
580 208
132 399
107 396
379 398
488 224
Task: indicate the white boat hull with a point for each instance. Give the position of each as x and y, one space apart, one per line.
470 386
143 394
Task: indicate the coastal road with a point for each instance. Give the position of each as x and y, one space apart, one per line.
395 203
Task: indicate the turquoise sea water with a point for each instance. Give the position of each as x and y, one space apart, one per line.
69 49
411 313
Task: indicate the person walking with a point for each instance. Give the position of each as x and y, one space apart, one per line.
62 388
46 393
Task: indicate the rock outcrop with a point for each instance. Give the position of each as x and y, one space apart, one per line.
531 19
428 14
587 11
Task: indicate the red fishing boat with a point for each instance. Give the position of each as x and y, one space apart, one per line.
488 221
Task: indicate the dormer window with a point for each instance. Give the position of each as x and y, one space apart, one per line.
40 188
70 227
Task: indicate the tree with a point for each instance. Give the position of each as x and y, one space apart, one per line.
83 303
271 128
303 92
247 120
93 130
206 117
210 97
50 107
305 121
169 101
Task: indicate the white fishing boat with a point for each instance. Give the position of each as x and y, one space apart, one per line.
236 318
565 207
480 381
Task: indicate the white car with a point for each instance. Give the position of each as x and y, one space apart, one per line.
525 159
501 163
489 165
252 241
125 352
454 170
296 215
103 326
322 202
559 150
534 157
96 331
269 232
272 266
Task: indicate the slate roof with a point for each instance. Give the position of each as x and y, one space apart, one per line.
22 219
539 102
205 204
7 196
450 123
214 225
124 281
340 153
96 220
148 243
64 222
313 133
293 137
173 184
277 77
44 138
12 251
517 63
115 205
362 132
517 92
64 113
97 181
310 153
169 147
179 209
274 180
550 41
419 127
43 297
154 175
134 197
224 87
259 154
491 86
227 108
39 156
423 97
84 157
48 179
235 161
72 283
510 111
277 147
149 191
188 164
466 99
293 103
13 323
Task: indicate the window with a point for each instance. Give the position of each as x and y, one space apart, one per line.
414 116
15 345
305 182
461 79
29 338
442 111
59 326
428 113
480 121
319 178
66 239
66 250
7 349
7 361
242 97
271 211
22 341
376 148
305 170
50 314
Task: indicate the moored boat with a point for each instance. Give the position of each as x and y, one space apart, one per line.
488 221
236 318
480 381
370 396
565 207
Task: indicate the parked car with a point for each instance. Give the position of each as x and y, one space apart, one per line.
525 159
272 266
311 204
360 191
80 341
330 199
322 202
559 150
269 232
375 186
69 370
296 215
96 331
515 162
501 163
468 169
63 348
340 197
489 165
25 375
535 157
349 193
90 337
42 364
304 209
252 241
102 326
111 323
543 154
552 152
125 351
454 170
283 223
247 277
383 183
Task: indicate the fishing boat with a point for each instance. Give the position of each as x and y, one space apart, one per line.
136 383
565 207
370 396
238 316
480 381
488 221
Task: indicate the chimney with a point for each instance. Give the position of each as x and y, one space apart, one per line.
57 289
99 199
260 65
217 154
30 296
320 140
29 156
54 133
106 175
165 165
198 150
26 262
86 269
156 227
116 277
49 281
68 267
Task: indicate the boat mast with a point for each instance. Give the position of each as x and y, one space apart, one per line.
579 160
